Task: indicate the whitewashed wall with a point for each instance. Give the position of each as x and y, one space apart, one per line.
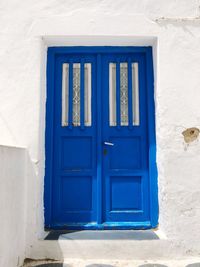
172 28
12 205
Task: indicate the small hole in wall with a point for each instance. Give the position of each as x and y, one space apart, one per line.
190 134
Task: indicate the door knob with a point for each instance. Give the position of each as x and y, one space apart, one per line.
108 144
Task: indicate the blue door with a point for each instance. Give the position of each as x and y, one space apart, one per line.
100 139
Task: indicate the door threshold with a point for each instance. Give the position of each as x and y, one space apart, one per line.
102 235
103 226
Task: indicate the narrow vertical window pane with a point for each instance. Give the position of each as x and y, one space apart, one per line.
124 93
65 93
135 94
76 93
112 94
87 96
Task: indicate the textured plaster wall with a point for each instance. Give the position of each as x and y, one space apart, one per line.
12 205
172 28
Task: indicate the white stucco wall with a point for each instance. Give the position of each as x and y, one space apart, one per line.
12 205
172 28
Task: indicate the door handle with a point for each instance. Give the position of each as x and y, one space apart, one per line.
108 144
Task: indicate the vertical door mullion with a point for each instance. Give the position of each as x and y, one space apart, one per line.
99 139
118 93
82 89
70 94
130 104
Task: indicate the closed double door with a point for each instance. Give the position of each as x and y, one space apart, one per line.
97 147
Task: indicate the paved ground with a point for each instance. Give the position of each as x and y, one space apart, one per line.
96 263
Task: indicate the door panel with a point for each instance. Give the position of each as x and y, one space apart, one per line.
122 158
74 183
125 165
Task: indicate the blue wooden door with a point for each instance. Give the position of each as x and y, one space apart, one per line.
75 160
125 140
98 139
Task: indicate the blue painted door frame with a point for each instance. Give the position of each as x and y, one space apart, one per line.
109 180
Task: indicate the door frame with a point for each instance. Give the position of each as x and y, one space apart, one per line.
52 53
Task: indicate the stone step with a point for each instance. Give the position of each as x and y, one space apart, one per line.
107 245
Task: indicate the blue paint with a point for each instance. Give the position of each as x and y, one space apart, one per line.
89 185
154 207
125 168
104 226
99 105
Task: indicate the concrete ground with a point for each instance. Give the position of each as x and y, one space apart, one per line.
102 263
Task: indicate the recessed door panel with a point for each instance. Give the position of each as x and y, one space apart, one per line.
126 153
76 153
126 193
76 193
